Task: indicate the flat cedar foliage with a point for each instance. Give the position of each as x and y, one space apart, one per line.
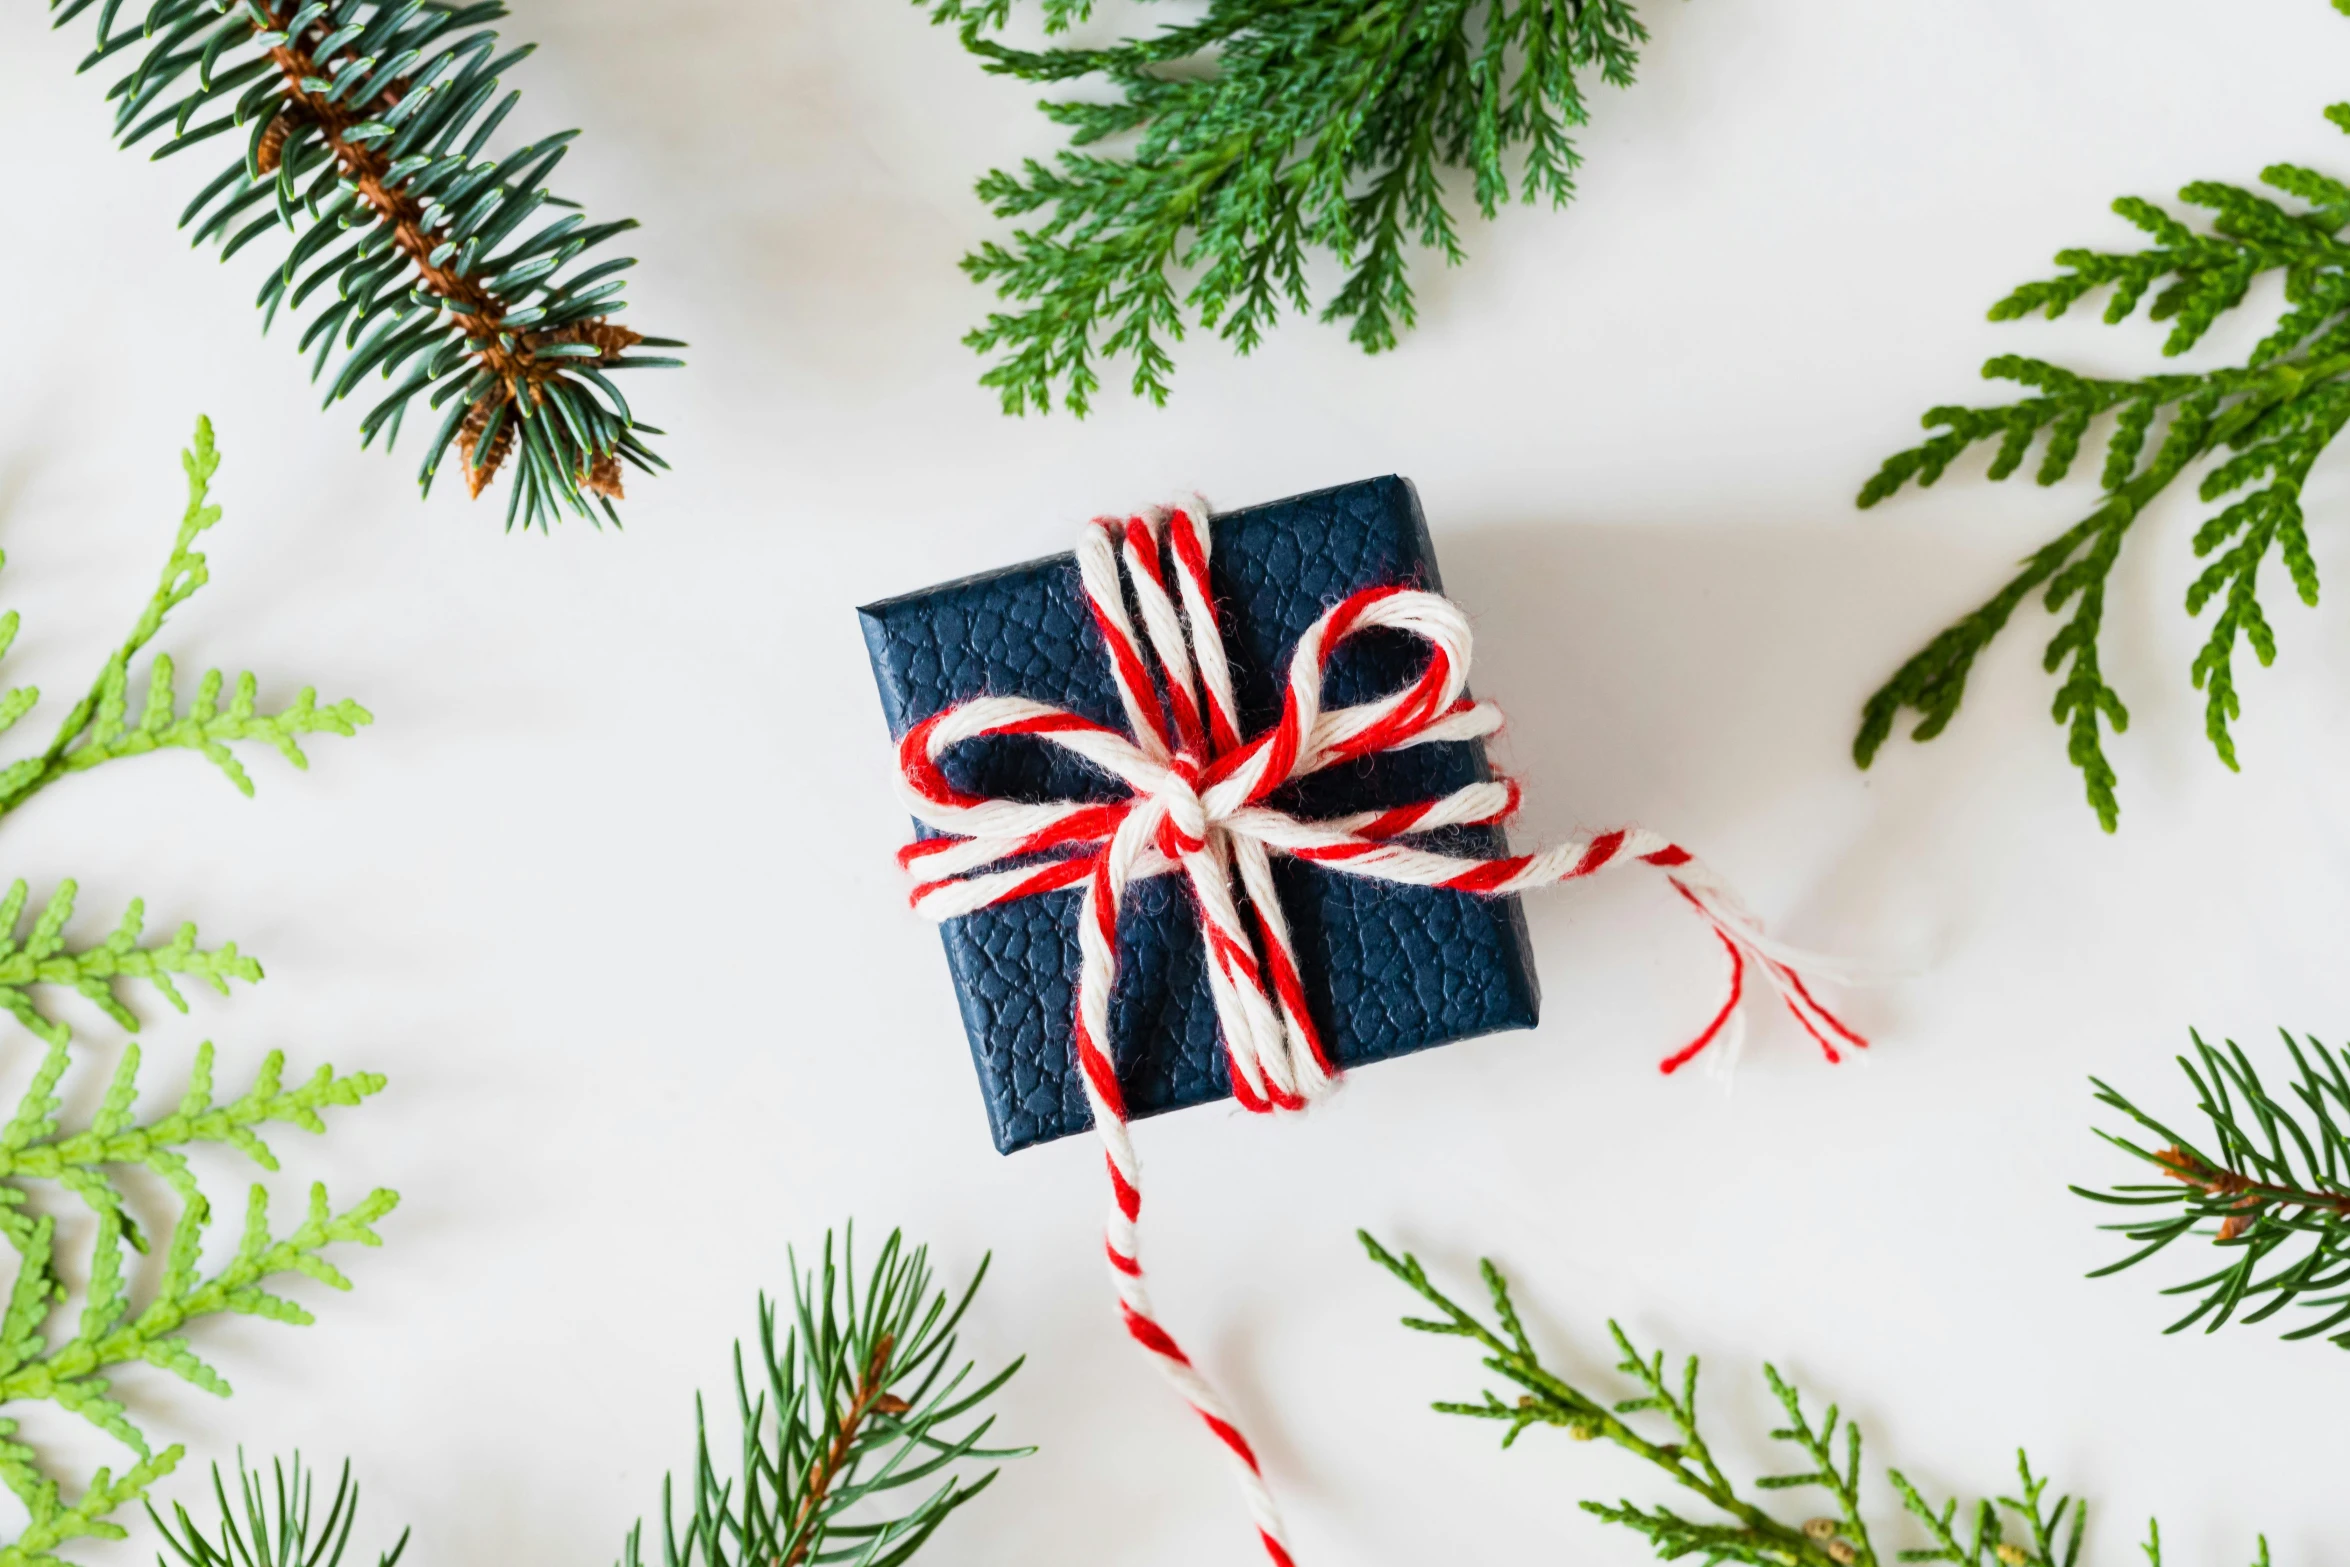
131 1316
1660 1424
2266 422
360 128
1238 144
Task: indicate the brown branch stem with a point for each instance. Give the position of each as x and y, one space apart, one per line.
870 1398
508 355
2251 1195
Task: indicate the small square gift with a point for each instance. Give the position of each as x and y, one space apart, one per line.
1203 809
1387 968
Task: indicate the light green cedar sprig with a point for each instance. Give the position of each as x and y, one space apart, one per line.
2269 1189
43 957
71 1367
2026 1529
361 126
112 1329
1262 131
856 1404
2274 415
99 729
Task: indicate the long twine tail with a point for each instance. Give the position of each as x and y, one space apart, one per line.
1096 939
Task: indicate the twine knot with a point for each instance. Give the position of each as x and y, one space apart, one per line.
1176 795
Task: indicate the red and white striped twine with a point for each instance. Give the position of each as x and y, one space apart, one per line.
1198 807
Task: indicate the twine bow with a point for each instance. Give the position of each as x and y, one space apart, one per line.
1197 805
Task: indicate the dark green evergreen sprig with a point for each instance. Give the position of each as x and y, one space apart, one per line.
2026 1529
2272 416
273 1524
2269 1188
859 1401
112 1329
361 128
1265 130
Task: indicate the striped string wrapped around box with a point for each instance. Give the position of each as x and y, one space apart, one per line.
1199 807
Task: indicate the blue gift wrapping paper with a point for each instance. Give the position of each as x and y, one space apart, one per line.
1388 970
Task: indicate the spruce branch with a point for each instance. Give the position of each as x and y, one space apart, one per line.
100 728
2269 1188
112 1329
859 1400
1744 1531
274 1524
2255 430
1263 131
364 124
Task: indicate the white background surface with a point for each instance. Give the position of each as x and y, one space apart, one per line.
607 890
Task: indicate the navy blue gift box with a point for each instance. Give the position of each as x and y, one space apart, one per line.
1388 969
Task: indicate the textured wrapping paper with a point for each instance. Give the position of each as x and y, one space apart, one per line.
1387 969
